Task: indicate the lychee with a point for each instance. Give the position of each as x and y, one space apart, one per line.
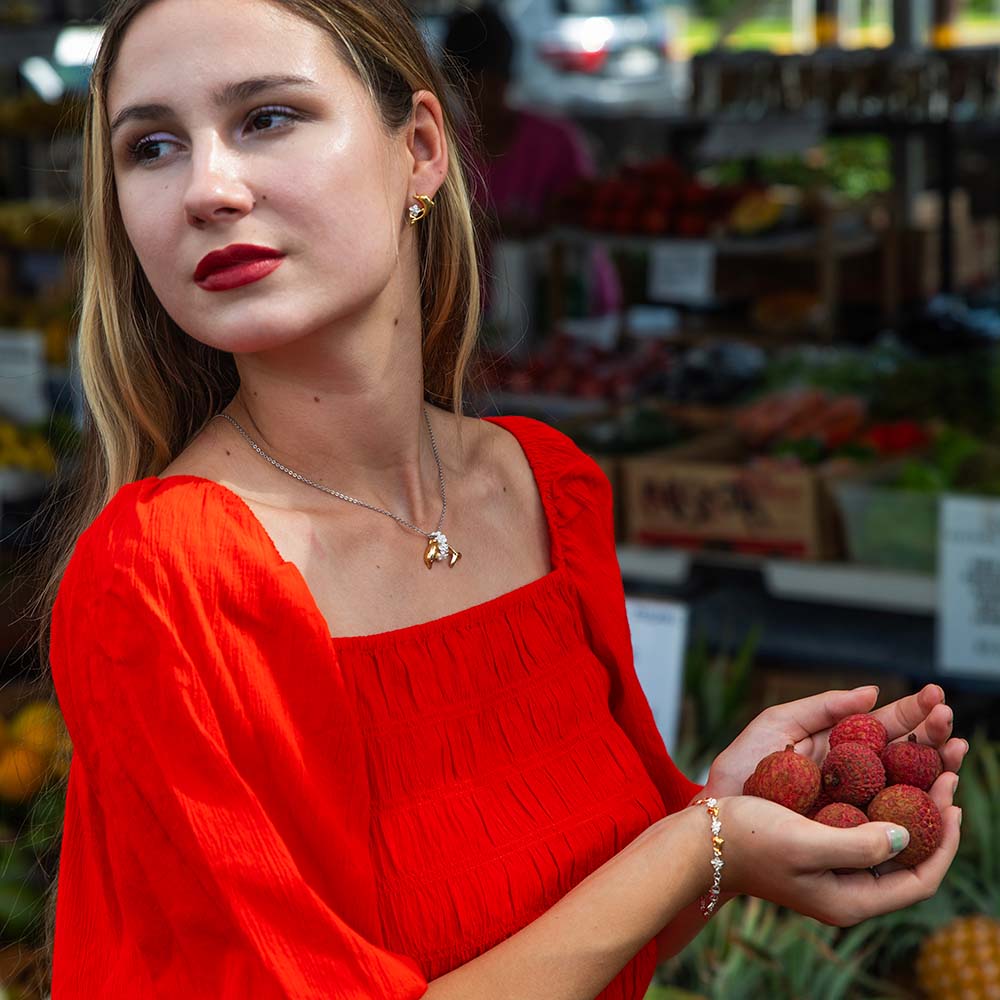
750 785
853 773
911 763
860 728
788 778
840 814
914 809
822 801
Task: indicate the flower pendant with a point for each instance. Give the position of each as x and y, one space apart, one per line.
439 549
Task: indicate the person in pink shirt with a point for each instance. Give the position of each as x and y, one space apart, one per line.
522 161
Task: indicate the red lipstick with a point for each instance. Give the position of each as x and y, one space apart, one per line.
235 265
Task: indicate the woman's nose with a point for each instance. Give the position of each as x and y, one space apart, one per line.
217 190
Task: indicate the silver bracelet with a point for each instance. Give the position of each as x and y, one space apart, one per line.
711 898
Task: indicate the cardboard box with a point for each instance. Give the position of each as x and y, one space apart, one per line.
707 494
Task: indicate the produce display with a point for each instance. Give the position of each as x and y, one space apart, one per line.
861 771
34 748
661 199
25 448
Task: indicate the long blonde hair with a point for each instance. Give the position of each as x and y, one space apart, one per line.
149 387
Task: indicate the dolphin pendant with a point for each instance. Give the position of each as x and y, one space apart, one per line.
438 549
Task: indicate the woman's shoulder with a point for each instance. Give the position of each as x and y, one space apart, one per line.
553 455
177 527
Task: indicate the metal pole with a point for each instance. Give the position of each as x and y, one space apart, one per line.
909 23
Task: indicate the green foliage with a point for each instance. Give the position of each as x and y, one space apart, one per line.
754 949
716 8
716 700
856 166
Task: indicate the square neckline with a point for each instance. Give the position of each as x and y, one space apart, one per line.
455 619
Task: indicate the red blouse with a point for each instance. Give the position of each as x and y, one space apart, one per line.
258 810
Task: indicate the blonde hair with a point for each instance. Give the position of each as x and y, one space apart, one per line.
149 387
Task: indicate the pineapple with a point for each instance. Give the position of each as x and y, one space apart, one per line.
961 960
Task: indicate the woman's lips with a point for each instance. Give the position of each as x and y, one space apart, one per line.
243 273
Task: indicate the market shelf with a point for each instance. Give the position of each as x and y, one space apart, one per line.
796 243
841 584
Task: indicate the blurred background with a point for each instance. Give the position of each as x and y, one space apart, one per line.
746 254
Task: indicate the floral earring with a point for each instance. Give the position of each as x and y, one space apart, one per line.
418 211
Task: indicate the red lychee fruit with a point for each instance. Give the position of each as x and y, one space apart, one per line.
911 763
853 773
788 778
750 786
840 814
822 801
860 728
913 808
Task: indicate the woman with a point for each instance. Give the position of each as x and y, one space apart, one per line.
317 753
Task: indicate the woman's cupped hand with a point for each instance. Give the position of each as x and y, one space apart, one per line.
825 872
806 724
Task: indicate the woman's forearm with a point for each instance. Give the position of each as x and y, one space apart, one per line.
574 949
684 928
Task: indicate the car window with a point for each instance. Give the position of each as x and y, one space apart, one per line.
603 8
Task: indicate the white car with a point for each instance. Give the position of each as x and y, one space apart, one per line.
586 53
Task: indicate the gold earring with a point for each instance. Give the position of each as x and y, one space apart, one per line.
417 212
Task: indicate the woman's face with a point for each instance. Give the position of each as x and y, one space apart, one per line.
232 157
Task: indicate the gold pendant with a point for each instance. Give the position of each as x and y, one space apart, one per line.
438 549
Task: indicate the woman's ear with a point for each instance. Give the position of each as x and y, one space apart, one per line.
427 144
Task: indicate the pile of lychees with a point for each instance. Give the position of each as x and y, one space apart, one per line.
864 777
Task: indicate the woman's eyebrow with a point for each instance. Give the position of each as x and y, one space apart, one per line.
230 93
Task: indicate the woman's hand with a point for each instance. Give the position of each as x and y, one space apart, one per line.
807 723
776 854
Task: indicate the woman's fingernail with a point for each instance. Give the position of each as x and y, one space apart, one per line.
959 817
967 747
899 837
954 787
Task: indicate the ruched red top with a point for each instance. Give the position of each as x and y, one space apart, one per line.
258 810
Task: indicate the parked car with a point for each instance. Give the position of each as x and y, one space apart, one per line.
586 53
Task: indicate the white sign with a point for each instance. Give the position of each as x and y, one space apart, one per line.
659 639
969 586
23 376
775 135
682 271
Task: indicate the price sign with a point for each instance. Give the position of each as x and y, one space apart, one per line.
682 271
969 582
23 376
775 135
659 638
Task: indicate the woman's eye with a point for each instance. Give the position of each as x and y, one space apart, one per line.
146 151
137 151
269 115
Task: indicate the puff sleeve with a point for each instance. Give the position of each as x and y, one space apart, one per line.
581 497
216 833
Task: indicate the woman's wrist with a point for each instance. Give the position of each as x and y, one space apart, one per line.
693 827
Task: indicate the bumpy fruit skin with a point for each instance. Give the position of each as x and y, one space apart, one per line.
822 801
962 959
840 814
911 807
860 729
750 786
853 773
911 763
788 778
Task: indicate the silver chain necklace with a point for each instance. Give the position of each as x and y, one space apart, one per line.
438 547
